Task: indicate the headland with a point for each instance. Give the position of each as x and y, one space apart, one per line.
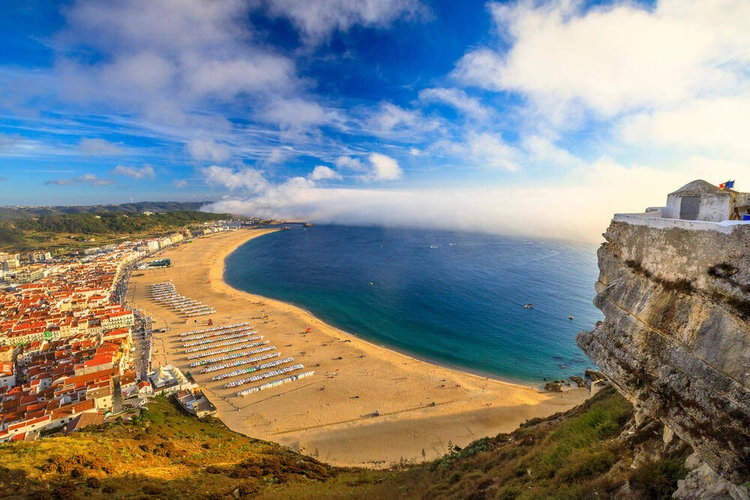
421 408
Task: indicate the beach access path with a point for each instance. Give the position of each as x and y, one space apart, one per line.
331 415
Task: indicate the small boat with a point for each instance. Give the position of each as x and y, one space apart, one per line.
570 317
528 306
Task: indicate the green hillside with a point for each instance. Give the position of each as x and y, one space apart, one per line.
13 213
72 231
166 454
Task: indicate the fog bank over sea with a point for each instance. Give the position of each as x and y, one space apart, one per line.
454 298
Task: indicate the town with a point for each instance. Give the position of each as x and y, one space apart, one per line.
72 353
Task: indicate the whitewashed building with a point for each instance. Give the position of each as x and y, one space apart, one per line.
702 201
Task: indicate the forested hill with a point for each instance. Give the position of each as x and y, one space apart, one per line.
123 223
70 231
8 213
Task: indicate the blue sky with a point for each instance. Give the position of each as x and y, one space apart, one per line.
523 117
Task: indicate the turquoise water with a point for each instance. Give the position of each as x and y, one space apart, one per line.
449 297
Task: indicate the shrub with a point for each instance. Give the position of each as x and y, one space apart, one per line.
93 482
65 490
658 479
247 489
151 489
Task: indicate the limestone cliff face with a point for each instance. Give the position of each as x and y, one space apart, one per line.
676 338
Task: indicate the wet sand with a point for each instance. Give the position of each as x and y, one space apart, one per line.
330 415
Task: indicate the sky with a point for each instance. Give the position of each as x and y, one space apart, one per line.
539 118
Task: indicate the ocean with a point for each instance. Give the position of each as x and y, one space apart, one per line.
456 299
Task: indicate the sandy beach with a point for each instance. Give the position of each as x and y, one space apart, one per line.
330 415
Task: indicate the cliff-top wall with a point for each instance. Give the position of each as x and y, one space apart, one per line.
676 338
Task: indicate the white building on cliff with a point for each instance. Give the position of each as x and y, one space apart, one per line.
698 205
700 200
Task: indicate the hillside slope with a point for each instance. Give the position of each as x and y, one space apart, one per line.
592 451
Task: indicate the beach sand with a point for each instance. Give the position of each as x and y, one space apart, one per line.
330 415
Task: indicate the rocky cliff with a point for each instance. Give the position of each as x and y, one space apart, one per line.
676 338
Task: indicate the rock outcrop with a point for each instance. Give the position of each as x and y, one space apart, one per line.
676 338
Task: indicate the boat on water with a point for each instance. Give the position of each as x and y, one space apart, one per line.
528 306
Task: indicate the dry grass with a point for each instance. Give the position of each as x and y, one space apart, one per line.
166 454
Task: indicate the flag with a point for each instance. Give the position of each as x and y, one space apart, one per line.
726 185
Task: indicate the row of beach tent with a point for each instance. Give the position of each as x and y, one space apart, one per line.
213 329
227 349
202 345
215 335
227 357
262 376
240 362
166 294
274 383
252 369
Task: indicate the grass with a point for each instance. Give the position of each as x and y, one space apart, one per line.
165 454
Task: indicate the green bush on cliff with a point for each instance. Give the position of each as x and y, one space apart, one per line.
166 453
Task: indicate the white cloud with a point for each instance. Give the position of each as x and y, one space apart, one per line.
208 150
720 127
227 79
245 178
617 58
380 168
577 207
99 147
483 150
391 116
278 155
486 150
170 26
350 163
384 168
166 59
543 151
180 183
456 98
90 179
398 123
322 173
317 19
145 72
145 172
295 112
17 146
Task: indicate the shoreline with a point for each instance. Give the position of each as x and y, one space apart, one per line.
416 357
421 406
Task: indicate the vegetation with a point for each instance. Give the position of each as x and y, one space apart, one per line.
165 453
161 454
14 213
71 231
